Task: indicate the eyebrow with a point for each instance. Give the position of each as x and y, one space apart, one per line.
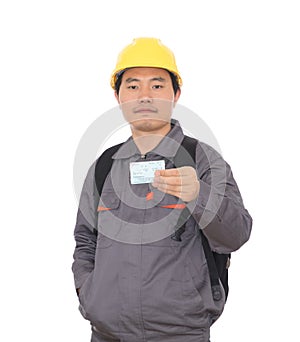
131 79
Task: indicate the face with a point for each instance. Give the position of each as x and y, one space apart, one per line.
147 98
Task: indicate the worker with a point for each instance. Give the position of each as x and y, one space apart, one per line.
138 281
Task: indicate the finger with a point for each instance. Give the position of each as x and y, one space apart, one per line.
166 187
186 196
182 189
167 173
173 187
185 171
169 191
177 181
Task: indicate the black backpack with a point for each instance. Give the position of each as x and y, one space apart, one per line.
218 264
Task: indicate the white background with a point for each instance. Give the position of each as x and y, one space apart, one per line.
239 61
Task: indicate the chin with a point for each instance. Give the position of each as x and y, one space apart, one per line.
148 125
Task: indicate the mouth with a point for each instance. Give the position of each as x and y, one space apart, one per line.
144 110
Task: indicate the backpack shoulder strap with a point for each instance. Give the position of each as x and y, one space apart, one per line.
103 166
186 153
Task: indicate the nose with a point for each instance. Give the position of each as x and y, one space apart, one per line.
144 97
145 100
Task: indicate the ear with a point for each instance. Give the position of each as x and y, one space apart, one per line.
177 96
117 97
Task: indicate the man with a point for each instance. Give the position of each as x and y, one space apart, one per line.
134 280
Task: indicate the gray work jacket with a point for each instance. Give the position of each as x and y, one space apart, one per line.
136 283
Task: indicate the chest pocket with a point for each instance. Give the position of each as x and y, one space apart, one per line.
163 216
108 201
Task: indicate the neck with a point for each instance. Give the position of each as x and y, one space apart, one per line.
147 141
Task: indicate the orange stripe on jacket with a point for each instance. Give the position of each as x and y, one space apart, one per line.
149 196
174 206
103 209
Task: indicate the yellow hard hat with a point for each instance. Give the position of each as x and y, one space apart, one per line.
145 52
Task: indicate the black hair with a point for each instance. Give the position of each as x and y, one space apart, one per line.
174 80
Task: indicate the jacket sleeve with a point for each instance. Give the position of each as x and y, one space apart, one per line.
85 237
219 208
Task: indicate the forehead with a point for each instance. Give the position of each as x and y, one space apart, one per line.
146 73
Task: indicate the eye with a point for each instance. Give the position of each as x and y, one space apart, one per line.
157 86
133 87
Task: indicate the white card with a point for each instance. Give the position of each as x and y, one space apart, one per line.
143 172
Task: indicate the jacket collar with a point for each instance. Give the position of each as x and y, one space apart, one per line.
167 147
